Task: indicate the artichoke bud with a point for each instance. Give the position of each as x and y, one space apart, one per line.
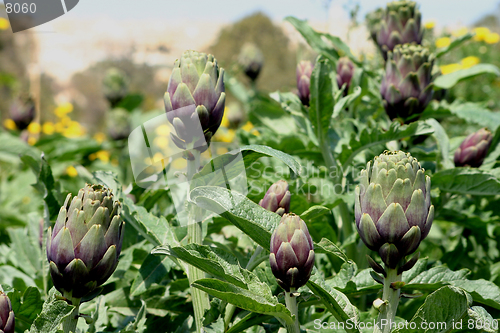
393 210
304 72
85 243
277 198
345 71
22 112
115 86
292 252
195 99
473 149
407 86
7 320
399 23
118 124
252 60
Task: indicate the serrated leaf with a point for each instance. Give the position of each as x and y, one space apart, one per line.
483 319
476 113
314 212
53 312
466 181
153 270
321 104
484 292
449 80
327 246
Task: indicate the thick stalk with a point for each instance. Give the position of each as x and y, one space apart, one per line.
291 305
391 297
70 322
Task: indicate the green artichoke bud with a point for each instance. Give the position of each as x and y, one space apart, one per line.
277 198
7 320
22 112
115 86
118 124
407 86
252 60
84 246
195 99
473 149
400 24
292 252
304 72
345 71
373 20
393 208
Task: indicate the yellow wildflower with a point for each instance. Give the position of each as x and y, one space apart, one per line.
103 155
163 130
4 24
9 124
59 127
481 33
74 130
492 38
65 120
48 128
161 142
225 136
225 122
443 42
63 109
71 171
447 69
179 164
430 24
31 140
100 137
459 32
248 127
470 61
34 128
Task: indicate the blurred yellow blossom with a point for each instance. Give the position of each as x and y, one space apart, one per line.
225 136
9 124
248 127
481 33
4 24
443 42
447 69
470 61
31 140
63 109
179 164
221 150
430 24
59 127
48 128
158 157
163 130
459 32
100 137
492 38
161 142
92 157
65 120
73 130
71 171
34 128
225 121
103 155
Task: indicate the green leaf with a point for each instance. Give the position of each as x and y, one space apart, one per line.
484 320
321 105
131 102
344 102
437 309
449 80
455 43
379 136
494 151
482 291
326 246
27 305
53 312
443 142
269 113
314 212
153 270
476 113
466 181
12 146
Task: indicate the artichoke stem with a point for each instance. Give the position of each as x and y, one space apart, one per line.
291 305
70 322
391 297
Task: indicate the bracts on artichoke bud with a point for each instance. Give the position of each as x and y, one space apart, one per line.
118 124
195 100
304 72
115 86
252 60
473 149
22 112
7 320
277 198
345 72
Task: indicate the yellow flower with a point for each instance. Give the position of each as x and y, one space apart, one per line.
492 38
59 127
4 24
65 120
225 136
179 164
34 128
31 141
63 109
225 122
71 171
470 61
248 127
481 33
158 157
74 130
443 42
161 142
48 128
103 155
9 124
447 69
100 137
92 157
163 130
459 32
430 24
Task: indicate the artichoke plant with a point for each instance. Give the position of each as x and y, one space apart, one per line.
400 23
277 198
195 99
292 253
118 124
22 112
473 149
304 72
393 208
407 86
7 320
252 60
345 71
84 246
115 86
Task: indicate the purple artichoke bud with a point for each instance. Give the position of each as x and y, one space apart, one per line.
277 198
407 84
292 252
7 320
473 149
118 124
345 71
22 112
304 72
393 208
195 99
400 23
373 20
252 60
84 246
115 86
